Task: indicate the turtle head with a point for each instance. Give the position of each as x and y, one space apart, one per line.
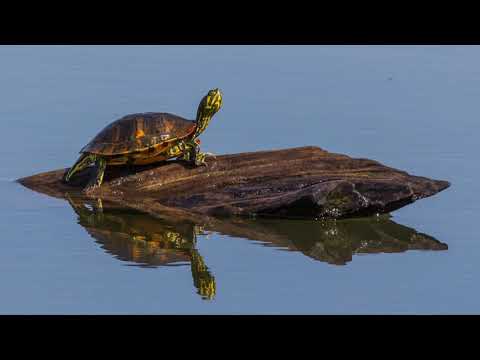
209 106
212 102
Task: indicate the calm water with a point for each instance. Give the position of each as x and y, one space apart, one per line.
411 107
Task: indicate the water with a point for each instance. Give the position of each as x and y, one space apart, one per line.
409 107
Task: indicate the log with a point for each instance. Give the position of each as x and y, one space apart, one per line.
305 182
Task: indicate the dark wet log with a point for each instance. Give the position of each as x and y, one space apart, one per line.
299 182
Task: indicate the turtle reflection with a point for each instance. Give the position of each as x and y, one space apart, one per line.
149 241
145 240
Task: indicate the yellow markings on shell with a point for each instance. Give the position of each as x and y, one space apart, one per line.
139 238
121 160
150 159
139 133
156 153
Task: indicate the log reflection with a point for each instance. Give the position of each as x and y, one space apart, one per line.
334 242
150 241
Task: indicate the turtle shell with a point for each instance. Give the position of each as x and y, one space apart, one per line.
139 132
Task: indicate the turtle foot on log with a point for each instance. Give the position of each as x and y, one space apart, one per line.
303 182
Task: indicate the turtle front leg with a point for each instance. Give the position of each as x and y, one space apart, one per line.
97 176
201 156
194 155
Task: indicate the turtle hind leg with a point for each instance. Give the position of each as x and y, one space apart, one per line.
97 176
83 161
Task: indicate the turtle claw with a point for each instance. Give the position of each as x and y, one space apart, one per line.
201 163
200 160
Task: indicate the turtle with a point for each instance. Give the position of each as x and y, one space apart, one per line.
147 138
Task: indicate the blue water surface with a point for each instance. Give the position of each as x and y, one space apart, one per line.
410 107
